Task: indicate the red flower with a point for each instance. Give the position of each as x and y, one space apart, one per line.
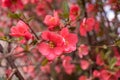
74 11
6 3
83 50
84 64
86 26
13 4
96 73
99 60
82 77
53 45
41 9
91 8
21 30
69 68
105 75
70 40
52 21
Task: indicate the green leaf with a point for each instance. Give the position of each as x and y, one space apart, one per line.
117 43
107 54
112 63
14 15
65 9
44 62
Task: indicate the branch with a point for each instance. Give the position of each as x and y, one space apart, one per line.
11 75
30 29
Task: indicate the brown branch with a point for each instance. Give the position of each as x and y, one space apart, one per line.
30 29
11 75
13 66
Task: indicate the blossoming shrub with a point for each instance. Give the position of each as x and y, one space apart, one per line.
59 40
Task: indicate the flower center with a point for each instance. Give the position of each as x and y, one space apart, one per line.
14 1
52 19
75 13
52 44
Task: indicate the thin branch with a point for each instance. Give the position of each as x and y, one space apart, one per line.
11 75
30 29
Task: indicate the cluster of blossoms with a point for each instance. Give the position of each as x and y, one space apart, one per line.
88 25
21 30
62 48
56 43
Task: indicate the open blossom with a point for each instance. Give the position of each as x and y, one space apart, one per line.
83 77
70 40
13 4
83 50
41 9
52 47
91 8
21 30
52 21
104 75
84 64
96 73
86 26
69 68
74 11
6 3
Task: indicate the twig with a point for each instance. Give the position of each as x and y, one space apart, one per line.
30 29
11 75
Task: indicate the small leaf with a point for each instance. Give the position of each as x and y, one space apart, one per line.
117 43
44 62
14 15
65 8
112 63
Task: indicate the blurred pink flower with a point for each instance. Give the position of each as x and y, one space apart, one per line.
52 21
68 67
83 50
84 64
70 40
21 30
74 11
83 77
86 26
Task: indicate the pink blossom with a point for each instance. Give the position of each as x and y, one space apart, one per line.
86 26
105 75
96 73
13 4
91 8
83 77
69 68
21 30
46 68
52 21
41 9
83 50
84 64
6 3
70 40
52 47
74 11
